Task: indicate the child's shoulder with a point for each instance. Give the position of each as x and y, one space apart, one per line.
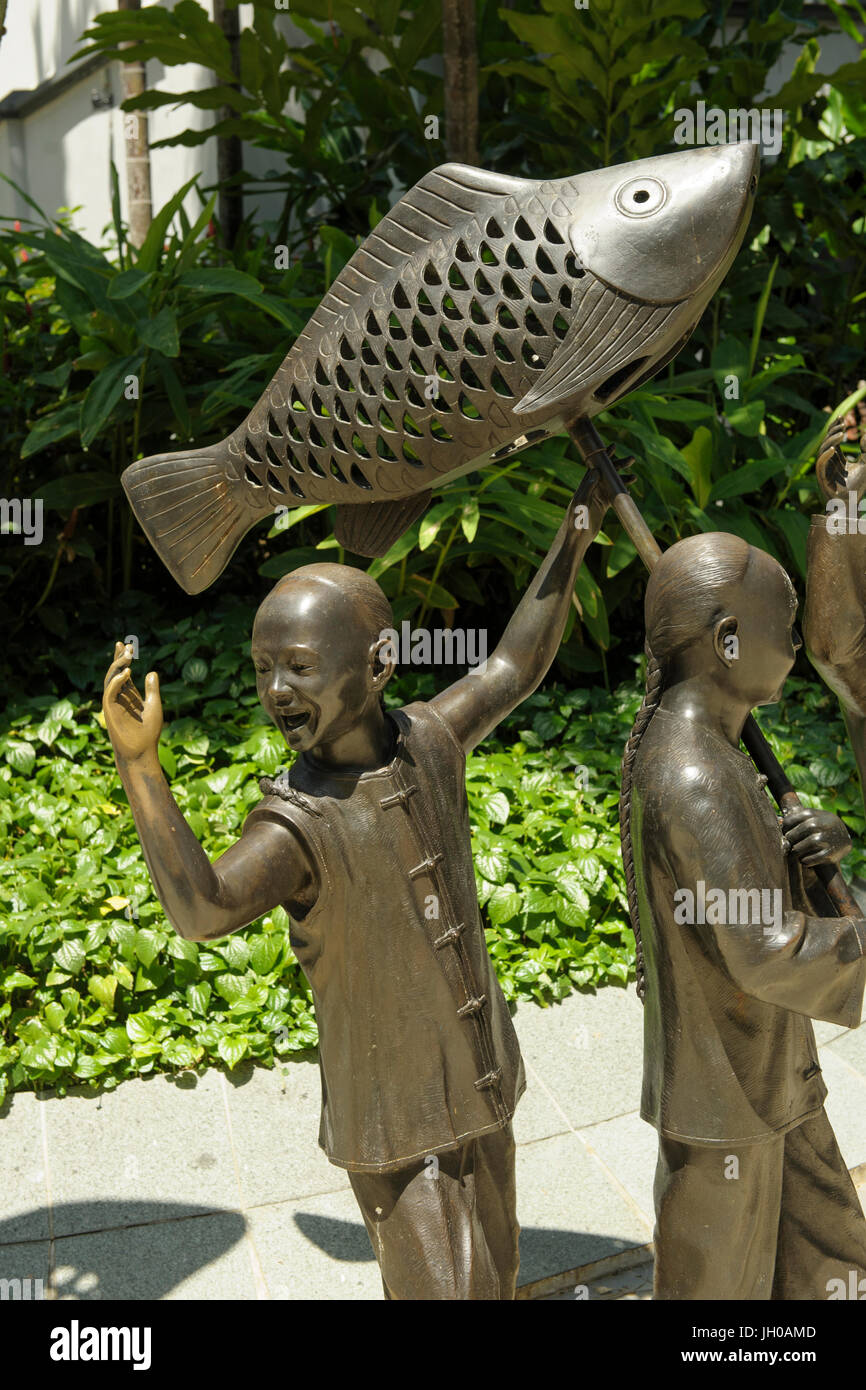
679 762
422 715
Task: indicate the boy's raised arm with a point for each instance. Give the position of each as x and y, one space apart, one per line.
474 705
201 900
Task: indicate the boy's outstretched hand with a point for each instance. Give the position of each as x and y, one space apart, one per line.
134 724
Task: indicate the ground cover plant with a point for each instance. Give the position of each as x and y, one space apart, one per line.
724 439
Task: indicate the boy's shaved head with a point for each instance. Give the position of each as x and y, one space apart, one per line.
361 594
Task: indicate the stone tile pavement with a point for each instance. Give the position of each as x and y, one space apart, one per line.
214 1186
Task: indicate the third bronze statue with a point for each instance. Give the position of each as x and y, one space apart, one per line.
834 624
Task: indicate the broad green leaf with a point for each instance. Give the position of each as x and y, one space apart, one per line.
160 332
198 996
139 1028
148 945
235 952
21 756
103 988
15 979
70 957
264 953
104 392
79 490
698 454
60 424
151 249
128 282
232 1050
222 281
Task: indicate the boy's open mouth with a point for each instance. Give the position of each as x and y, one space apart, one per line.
290 723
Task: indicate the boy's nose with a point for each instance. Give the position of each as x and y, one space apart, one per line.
280 684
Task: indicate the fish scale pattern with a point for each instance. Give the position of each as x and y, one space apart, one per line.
414 361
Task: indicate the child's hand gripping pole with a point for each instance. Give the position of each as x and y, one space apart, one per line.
595 455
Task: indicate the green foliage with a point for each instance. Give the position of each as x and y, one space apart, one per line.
93 983
723 439
113 358
355 127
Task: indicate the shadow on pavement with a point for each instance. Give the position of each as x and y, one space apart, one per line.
543 1252
127 1250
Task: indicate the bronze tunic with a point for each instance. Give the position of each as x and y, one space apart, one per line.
729 1052
417 1050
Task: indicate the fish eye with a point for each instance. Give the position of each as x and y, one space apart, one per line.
640 197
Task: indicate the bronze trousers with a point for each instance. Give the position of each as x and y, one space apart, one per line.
777 1220
447 1228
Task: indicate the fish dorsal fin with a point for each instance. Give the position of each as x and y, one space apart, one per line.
442 201
447 198
439 204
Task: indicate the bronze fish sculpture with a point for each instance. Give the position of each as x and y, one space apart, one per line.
482 314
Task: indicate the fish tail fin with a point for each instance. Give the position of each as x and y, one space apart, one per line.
193 511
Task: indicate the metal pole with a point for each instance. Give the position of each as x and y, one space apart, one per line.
595 455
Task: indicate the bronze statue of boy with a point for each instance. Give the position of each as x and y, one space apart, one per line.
366 843
737 950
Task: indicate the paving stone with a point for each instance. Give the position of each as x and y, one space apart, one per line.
537 1115
149 1142
29 1260
570 1213
24 1210
202 1258
850 1045
845 1105
628 1146
275 1132
316 1248
588 1052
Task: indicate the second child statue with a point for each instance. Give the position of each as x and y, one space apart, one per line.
366 843
737 949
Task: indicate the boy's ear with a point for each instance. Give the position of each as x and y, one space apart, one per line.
726 641
383 662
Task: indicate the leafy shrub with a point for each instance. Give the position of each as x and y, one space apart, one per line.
210 323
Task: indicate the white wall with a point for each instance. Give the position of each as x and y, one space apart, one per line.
62 153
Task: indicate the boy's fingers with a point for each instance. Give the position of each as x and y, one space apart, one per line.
800 832
116 684
121 664
132 695
129 706
151 686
